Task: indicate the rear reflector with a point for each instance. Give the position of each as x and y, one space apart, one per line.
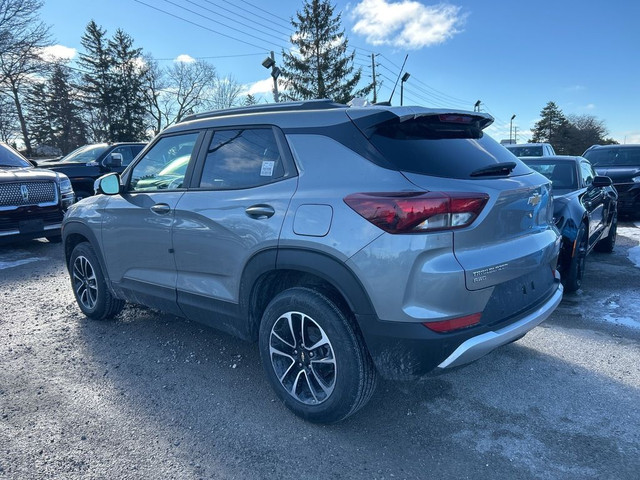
454 323
418 212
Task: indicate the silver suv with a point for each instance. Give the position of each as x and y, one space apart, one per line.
348 242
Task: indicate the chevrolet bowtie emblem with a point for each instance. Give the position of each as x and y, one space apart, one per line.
534 199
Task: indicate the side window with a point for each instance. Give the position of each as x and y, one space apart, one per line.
164 166
587 173
242 158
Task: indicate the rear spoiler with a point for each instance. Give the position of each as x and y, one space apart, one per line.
368 122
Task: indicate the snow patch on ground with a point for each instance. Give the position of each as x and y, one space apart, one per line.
17 258
634 234
634 255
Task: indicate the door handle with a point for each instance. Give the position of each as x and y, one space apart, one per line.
161 208
260 211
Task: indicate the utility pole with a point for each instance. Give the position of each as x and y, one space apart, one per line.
511 125
276 95
375 84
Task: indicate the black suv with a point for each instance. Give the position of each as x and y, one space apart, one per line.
622 164
32 201
85 164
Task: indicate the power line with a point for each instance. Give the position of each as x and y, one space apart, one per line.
281 19
232 19
198 25
214 57
268 25
218 22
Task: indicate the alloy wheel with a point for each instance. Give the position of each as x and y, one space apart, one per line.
85 283
303 358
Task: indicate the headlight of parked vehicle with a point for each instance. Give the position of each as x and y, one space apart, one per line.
66 191
636 179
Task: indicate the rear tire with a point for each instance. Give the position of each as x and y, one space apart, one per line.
314 357
89 285
606 244
575 273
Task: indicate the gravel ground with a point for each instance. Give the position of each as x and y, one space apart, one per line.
149 395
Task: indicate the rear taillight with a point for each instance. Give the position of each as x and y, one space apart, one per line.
418 212
454 323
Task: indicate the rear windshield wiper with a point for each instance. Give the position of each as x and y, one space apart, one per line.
498 169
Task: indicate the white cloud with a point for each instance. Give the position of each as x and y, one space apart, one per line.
590 106
576 88
406 24
58 52
184 58
260 87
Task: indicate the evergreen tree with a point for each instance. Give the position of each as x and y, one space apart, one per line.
553 128
97 85
37 104
321 68
249 100
113 87
129 109
69 130
55 114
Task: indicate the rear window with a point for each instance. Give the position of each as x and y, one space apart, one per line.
561 173
430 147
616 156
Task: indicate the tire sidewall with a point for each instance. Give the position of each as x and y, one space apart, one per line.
345 347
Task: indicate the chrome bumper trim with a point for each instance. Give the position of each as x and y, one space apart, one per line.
479 346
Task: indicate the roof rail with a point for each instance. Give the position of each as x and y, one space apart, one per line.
323 104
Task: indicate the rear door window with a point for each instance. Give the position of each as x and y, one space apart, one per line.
242 158
429 146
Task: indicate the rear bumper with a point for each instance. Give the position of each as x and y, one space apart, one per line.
405 350
477 347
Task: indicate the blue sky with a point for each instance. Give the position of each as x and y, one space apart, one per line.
512 56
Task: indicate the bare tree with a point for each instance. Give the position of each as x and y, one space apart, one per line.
226 92
190 85
22 38
155 81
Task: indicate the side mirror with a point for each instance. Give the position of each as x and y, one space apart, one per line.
108 184
113 160
600 181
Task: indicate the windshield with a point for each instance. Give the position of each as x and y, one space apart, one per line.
618 156
86 154
535 151
11 158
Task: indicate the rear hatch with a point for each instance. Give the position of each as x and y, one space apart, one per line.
511 243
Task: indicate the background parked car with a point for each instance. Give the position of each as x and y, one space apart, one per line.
622 164
85 164
530 149
32 201
585 212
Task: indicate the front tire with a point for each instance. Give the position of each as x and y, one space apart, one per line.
578 261
314 357
89 285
